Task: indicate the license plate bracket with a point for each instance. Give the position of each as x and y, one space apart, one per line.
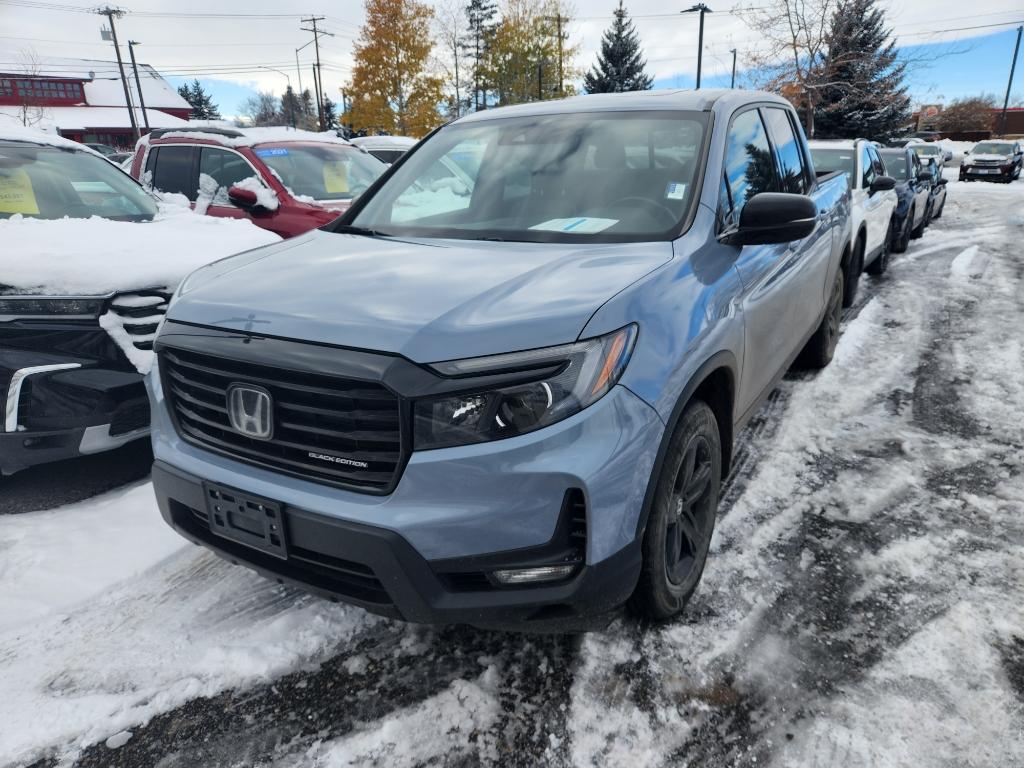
247 519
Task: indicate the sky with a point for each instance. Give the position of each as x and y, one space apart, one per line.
237 48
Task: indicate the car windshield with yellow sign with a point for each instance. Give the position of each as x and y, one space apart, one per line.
321 171
47 182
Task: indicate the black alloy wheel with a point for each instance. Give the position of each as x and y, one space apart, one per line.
682 517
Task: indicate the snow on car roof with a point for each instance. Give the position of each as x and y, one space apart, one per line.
34 136
384 142
246 137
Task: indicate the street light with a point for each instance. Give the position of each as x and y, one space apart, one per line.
291 104
701 9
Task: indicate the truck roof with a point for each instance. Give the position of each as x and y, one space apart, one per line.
674 99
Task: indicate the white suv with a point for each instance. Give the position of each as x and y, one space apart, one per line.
873 202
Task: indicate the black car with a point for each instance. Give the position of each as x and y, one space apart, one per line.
913 192
993 161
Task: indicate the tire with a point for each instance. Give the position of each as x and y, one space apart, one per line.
881 262
677 537
902 241
917 231
853 271
822 345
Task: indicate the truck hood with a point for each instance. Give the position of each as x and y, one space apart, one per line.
1002 158
428 300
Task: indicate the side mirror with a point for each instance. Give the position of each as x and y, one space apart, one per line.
882 184
967 152
243 198
943 182
773 217
924 176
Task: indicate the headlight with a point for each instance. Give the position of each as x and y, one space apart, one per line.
44 307
573 376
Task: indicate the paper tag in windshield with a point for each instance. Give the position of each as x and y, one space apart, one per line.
676 190
335 178
16 193
578 225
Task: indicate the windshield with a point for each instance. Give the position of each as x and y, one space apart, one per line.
829 160
321 171
924 149
51 183
993 148
606 176
895 165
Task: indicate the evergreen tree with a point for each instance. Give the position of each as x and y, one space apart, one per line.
620 65
480 14
330 114
291 107
863 93
201 102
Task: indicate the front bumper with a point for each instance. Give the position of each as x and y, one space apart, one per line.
57 407
377 569
978 174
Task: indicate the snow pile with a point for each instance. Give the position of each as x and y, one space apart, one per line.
98 256
42 549
111 618
264 196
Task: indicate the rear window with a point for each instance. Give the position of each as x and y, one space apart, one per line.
51 183
830 160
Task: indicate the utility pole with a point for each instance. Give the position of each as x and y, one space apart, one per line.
111 13
319 75
700 8
319 106
1009 85
559 19
138 85
733 83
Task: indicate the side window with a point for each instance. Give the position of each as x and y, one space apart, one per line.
173 172
749 168
792 169
867 169
223 170
876 161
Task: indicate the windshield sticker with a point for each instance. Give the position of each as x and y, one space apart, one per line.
16 193
675 190
336 178
271 152
579 225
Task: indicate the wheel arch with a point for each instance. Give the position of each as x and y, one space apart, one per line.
715 383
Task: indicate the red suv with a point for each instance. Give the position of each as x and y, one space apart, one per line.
284 180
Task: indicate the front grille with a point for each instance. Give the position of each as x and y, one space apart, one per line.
988 163
140 315
343 419
129 417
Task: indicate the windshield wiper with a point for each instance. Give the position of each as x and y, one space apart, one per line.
351 229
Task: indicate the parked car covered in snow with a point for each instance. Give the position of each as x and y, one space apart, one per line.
913 192
516 406
285 180
932 152
873 203
387 149
993 161
88 260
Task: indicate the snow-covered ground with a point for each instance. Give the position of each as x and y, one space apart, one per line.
862 605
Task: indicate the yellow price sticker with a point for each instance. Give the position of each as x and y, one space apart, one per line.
16 193
336 178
